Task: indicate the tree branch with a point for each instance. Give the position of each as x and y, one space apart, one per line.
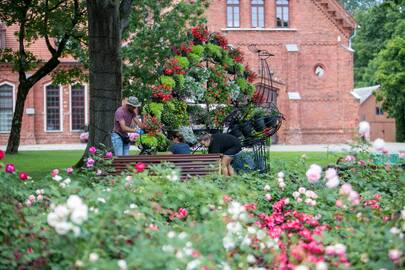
48 43
21 37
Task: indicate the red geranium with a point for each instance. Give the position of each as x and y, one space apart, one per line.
2 154
200 33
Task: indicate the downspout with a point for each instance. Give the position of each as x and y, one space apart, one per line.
349 48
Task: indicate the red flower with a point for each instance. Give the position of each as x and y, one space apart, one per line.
10 168
250 206
30 250
182 213
227 198
23 176
140 167
2 154
168 71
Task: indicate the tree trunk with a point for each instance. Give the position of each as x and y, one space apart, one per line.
400 125
105 68
14 138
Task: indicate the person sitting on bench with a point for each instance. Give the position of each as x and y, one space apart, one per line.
178 145
226 144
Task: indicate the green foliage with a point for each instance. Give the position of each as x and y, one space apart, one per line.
155 27
354 6
194 58
213 51
167 81
245 86
183 61
391 76
175 114
154 109
239 68
198 50
148 140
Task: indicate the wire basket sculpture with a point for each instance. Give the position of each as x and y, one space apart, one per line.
256 133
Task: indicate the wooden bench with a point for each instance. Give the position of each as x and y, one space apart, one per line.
189 165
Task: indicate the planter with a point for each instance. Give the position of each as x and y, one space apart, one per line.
258 123
271 120
247 129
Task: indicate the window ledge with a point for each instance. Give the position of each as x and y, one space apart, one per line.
260 29
53 131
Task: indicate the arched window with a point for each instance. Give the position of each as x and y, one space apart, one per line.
282 13
6 106
53 102
232 13
258 13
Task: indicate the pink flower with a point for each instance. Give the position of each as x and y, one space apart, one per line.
346 189
153 227
330 250
353 195
69 170
400 155
92 150
10 168
90 162
356 202
2 154
140 167
268 197
99 172
394 254
313 175
31 198
40 197
385 150
28 203
84 137
227 198
23 176
350 158
299 200
54 172
182 213
109 155
330 173
361 163
133 136
339 204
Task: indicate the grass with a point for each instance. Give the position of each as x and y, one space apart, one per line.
39 163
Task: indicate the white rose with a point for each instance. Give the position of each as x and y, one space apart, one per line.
193 264
266 187
171 234
395 230
53 219
228 243
280 175
251 259
62 211
73 202
102 200
57 178
340 249
302 190
76 230
246 241
251 230
282 185
79 214
182 235
79 263
122 264
63 227
296 194
316 167
234 227
93 257
322 266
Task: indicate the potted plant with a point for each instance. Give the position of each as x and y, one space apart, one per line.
258 119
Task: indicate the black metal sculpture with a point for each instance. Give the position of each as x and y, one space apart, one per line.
257 131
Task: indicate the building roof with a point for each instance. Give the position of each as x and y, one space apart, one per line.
362 94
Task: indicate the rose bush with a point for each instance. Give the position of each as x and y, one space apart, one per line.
149 219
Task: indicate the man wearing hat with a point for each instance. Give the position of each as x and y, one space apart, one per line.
124 117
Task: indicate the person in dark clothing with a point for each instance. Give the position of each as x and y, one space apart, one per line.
178 146
226 144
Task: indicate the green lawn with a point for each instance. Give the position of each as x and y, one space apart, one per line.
39 163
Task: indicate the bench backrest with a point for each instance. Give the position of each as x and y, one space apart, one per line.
189 165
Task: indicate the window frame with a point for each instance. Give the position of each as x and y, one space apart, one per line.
282 6
378 110
14 101
257 6
86 106
60 109
232 6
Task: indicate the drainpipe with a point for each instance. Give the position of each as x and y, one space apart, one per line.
349 48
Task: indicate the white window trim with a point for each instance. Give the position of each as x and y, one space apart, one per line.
86 105
14 101
60 109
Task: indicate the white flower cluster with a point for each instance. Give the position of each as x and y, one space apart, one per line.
280 180
332 179
31 199
63 183
398 231
67 217
310 196
173 176
267 196
240 234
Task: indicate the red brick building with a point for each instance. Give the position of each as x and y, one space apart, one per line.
313 63
313 68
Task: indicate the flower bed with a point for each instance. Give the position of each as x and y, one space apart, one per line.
349 215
